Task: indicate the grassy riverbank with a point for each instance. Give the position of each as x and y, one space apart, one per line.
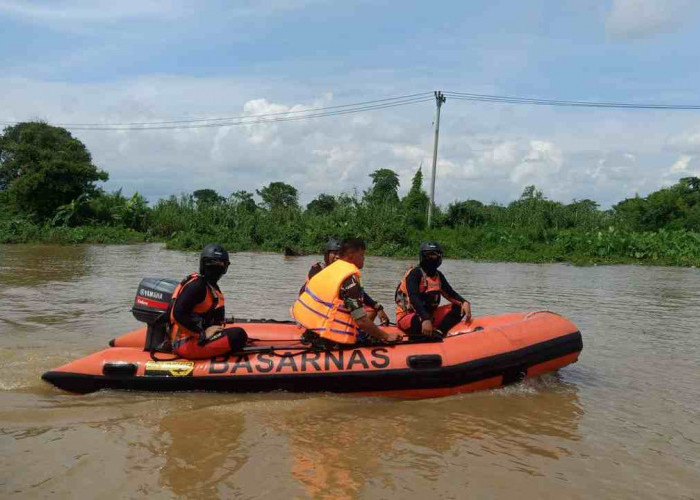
18 230
181 225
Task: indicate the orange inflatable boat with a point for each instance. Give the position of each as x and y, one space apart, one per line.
487 352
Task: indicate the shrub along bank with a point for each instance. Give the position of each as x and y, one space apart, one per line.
504 234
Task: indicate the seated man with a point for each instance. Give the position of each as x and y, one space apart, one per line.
372 308
418 310
197 311
329 256
331 307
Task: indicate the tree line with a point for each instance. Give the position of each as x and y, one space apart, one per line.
49 192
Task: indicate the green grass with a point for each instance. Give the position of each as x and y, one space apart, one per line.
23 231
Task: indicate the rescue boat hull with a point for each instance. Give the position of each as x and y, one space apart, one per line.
488 352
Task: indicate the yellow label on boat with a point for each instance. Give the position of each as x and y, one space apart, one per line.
170 368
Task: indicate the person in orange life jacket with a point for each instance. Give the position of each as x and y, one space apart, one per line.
418 310
372 307
197 311
331 307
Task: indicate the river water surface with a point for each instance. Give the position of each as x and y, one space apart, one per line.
624 422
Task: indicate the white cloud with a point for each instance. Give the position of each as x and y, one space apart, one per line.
615 166
644 18
681 165
503 155
687 142
542 160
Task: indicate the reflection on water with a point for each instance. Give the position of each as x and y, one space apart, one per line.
337 447
623 422
192 465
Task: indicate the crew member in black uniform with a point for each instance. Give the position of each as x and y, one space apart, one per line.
418 310
197 311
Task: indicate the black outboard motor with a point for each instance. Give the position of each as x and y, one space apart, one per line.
151 306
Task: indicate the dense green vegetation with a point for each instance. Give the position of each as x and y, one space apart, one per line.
662 228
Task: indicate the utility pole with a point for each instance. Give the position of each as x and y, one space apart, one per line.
439 99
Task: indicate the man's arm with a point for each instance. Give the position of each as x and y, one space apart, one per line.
374 331
315 269
351 294
367 300
448 292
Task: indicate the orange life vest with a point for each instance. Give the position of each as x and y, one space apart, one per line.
320 309
430 286
213 301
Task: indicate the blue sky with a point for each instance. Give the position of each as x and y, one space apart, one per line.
130 61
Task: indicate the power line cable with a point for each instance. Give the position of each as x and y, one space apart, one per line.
363 105
260 119
557 102
343 109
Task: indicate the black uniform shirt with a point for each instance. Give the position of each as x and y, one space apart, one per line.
420 301
192 294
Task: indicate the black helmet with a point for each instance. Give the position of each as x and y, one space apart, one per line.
213 254
430 247
333 245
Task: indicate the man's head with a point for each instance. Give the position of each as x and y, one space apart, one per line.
213 262
352 250
430 256
332 251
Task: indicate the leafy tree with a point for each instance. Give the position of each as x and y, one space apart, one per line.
44 167
244 200
385 186
112 209
135 213
323 204
278 195
535 214
583 213
416 202
207 196
669 208
466 213
531 193
691 184
73 213
5 206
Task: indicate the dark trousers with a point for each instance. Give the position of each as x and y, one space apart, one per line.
225 342
444 318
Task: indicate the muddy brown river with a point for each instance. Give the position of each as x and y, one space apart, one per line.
624 422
